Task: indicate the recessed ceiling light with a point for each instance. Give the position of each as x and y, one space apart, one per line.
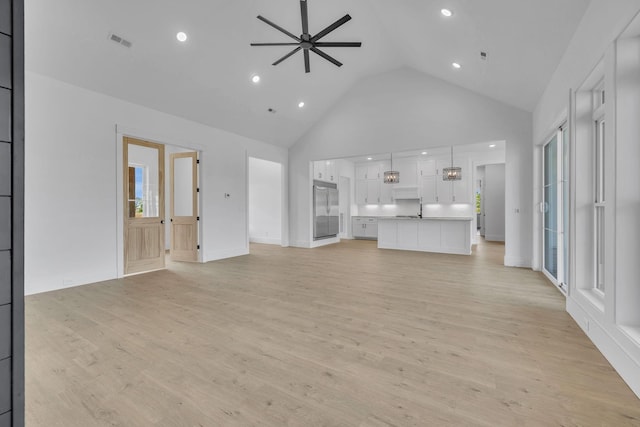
424 152
456 65
492 146
446 12
255 78
182 37
369 158
301 104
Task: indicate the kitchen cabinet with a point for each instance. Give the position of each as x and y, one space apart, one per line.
427 167
407 166
443 235
386 194
367 192
371 170
325 170
361 170
429 189
365 227
435 190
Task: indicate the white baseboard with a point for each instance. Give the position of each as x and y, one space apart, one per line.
325 242
494 238
300 244
517 262
80 281
265 240
231 253
609 346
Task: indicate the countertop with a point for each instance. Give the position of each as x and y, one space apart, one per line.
445 218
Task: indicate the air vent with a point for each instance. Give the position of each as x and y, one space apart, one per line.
116 38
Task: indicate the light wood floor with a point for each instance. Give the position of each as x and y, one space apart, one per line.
346 335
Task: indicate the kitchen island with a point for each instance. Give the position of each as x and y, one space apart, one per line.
449 235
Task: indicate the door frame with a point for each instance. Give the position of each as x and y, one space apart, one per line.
122 131
161 205
561 282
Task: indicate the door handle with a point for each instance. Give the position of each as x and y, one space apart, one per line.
162 221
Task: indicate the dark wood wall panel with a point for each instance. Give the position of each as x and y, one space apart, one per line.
5 385
5 223
5 114
5 16
5 277
5 169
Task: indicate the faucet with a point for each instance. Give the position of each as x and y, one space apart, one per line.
420 212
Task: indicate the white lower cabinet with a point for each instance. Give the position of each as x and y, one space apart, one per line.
365 227
450 236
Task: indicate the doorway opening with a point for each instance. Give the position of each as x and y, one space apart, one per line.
265 201
160 207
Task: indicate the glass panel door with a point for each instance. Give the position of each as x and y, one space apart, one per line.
556 208
551 208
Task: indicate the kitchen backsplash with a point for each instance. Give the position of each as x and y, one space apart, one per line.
411 207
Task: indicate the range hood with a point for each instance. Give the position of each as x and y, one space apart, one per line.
405 193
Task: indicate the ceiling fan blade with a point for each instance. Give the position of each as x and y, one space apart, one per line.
327 57
338 44
307 64
275 44
338 23
305 16
277 27
287 55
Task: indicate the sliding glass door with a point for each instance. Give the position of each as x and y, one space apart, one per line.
556 208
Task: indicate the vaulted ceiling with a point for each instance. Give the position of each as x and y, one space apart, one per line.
208 78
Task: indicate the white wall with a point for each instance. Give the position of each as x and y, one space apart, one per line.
404 110
612 322
73 224
265 201
494 185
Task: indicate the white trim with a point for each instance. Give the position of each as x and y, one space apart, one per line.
324 242
517 262
609 346
265 240
228 253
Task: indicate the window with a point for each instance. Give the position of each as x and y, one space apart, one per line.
599 196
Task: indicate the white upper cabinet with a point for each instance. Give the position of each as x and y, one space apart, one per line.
361 170
429 189
407 166
374 171
325 170
427 167
435 190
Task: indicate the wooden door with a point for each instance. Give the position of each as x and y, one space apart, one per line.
144 206
184 206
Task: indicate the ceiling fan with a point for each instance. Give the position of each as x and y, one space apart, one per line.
306 41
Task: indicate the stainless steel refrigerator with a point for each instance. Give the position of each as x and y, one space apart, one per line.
325 210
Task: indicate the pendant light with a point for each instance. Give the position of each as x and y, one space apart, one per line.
453 173
391 176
